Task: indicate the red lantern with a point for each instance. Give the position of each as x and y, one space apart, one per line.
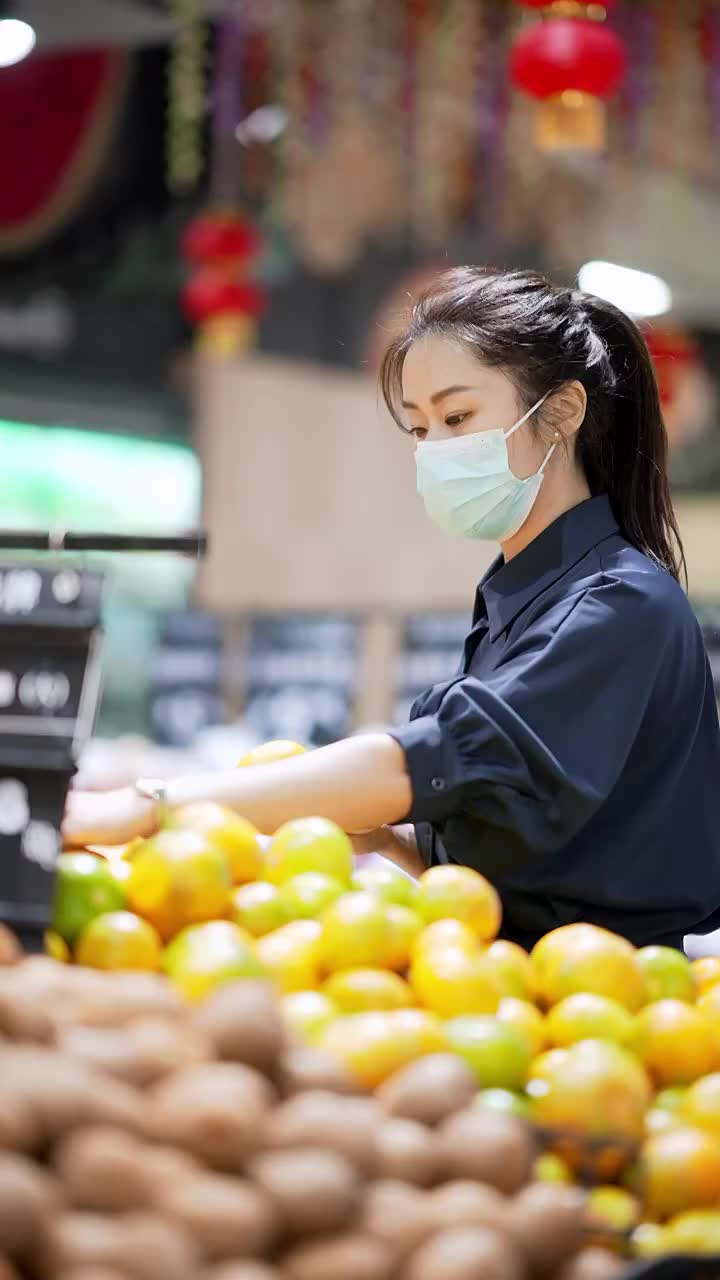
570 65
218 239
673 353
573 8
207 296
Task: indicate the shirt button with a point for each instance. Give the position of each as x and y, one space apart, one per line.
438 784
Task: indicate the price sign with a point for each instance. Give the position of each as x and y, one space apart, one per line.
430 653
49 597
186 691
302 672
32 802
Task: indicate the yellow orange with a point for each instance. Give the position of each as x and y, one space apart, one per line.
583 958
613 1208
551 1168
309 844
459 893
56 947
700 1105
270 752
513 968
525 1018
290 955
203 956
306 896
365 990
585 1016
668 974
307 1013
498 1054
675 1041
680 1170
694 1232
450 982
402 930
234 836
119 940
446 933
706 972
373 1046
595 1089
354 933
258 907
178 879
386 882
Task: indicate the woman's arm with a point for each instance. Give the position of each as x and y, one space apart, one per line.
360 783
397 843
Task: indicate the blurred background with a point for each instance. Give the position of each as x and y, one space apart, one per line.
213 215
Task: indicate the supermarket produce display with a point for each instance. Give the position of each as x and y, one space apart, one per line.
256 1059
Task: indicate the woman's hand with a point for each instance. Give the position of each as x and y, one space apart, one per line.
395 843
106 817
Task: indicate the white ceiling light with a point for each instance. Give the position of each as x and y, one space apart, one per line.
17 40
636 292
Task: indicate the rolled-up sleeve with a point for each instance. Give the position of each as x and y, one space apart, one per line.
537 746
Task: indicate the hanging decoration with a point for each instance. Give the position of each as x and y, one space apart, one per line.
187 105
571 65
687 391
218 297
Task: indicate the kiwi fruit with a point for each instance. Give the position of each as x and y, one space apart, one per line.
114 999
139 1054
102 1170
323 1119
24 1020
302 1068
19 1126
548 1223
7 1270
593 1264
28 1197
242 1021
139 1246
227 1217
466 1204
430 1089
465 1253
346 1257
95 1272
240 1269
215 1111
312 1190
396 1213
406 1151
10 949
486 1147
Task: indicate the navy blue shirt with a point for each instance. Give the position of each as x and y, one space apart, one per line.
575 758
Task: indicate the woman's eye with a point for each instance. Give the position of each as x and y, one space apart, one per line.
418 433
456 419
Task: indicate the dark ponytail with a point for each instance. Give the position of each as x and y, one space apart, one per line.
545 337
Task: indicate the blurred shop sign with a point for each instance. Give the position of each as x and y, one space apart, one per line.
431 647
186 682
302 677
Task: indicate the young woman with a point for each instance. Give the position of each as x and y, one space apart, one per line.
575 757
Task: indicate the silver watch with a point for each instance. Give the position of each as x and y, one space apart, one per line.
154 789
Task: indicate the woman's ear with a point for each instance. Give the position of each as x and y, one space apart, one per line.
566 410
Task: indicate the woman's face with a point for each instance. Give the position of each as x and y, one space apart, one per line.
448 391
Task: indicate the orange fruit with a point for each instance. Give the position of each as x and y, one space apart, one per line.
84 888
203 956
365 990
446 933
269 752
583 958
709 1001
258 907
513 969
234 836
668 974
658 1119
648 1240
508 1101
450 982
706 972
596 1089
354 933
56 947
373 1046
525 1018
178 879
119 940
700 1105
696 1232
309 844
672 1099
588 1017
613 1208
306 896
679 1170
545 1064
290 955
498 1054
388 882
459 893
307 1013
403 927
675 1041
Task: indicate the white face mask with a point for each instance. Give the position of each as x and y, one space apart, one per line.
467 485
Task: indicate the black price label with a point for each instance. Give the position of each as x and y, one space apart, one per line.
32 803
59 596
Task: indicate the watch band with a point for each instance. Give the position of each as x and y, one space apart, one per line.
154 789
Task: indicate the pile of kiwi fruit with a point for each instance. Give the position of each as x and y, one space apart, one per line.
145 1139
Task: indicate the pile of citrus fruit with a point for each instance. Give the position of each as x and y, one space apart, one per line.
612 1053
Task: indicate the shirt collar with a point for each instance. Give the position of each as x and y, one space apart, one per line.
508 588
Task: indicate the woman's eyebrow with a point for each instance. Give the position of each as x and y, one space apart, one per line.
439 395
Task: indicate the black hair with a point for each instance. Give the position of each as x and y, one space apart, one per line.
544 337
